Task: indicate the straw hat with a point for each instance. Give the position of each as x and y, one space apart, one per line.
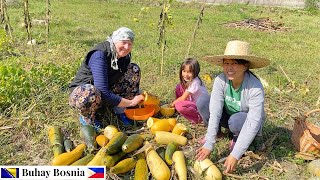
238 50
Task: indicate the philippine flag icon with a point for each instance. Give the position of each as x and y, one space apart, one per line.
9 172
96 172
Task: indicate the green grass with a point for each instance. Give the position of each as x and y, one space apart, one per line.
38 97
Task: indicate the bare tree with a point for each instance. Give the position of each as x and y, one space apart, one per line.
5 18
27 21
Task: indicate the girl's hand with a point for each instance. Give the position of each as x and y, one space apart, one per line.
230 164
202 153
172 104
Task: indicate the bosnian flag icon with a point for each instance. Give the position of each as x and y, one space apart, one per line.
96 172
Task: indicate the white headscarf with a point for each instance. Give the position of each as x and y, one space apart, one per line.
120 34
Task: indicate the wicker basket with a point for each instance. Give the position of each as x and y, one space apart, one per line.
306 136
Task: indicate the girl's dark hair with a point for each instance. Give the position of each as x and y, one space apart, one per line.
194 67
245 62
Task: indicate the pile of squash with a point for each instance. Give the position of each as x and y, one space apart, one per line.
156 151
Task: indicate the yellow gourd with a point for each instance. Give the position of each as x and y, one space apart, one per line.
115 143
171 148
56 140
110 160
158 168
102 140
163 125
180 165
67 158
110 131
207 169
141 170
163 137
179 129
151 121
96 161
123 166
83 161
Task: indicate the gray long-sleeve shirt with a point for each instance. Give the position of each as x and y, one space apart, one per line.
252 102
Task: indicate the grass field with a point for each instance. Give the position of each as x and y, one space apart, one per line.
34 79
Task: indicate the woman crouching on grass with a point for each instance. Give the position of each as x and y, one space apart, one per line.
236 103
107 79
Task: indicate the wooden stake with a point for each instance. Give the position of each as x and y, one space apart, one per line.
195 29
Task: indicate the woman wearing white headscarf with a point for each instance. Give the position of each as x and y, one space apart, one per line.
107 78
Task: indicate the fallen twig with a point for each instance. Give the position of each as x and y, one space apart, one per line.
233 175
253 155
258 176
305 156
142 149
291 82
268 144
276 166
5 127
222 160
136 131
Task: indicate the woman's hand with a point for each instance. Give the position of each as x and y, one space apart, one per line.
230 164
202 153
136 100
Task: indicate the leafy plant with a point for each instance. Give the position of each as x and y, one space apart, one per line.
17 84
4 43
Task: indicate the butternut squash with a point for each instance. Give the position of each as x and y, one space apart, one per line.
67 158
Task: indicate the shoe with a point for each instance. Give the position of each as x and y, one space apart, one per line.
96 124
126 121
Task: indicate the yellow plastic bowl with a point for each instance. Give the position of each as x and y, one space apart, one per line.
166 110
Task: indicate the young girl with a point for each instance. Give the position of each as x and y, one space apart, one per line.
192 98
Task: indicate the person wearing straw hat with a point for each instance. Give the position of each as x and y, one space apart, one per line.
236 103
107 78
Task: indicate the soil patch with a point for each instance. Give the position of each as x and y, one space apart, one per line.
261 24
